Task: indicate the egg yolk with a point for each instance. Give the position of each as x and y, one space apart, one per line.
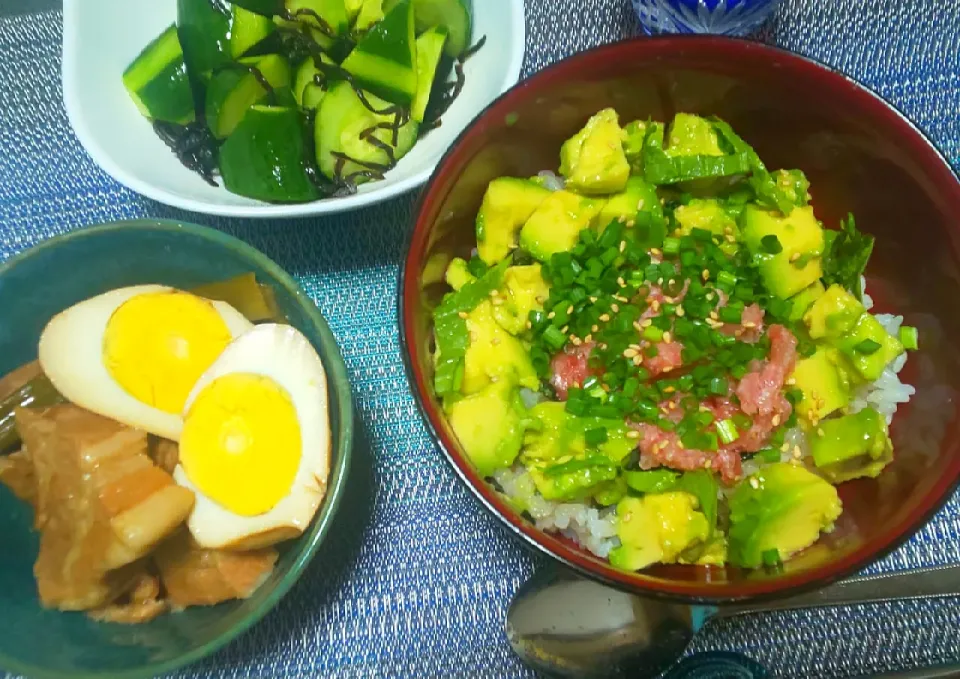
241 444
158 344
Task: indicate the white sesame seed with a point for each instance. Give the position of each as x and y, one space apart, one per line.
754 483
633 434
463 314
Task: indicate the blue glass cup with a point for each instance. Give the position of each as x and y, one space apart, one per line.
724 17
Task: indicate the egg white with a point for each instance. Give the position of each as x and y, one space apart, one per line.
282 354
71 355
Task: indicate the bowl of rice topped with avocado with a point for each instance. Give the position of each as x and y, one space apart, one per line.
661 356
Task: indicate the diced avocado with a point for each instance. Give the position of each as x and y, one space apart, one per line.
825 384
787 249
523 291
869 347
458 274
657 529
852 446
784 512
573 479
801 301
552 436
692 135
709 215
593 160
494 355
610 492
507 205
489 426
633 135
637 196
556 224
714 553
557 434
833 314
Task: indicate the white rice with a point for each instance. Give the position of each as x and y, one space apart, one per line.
596 529
551 181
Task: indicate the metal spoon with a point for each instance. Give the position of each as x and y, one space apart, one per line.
567 626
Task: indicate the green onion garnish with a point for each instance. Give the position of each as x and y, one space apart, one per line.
727 431
554 338
771 244
594 437
727 278
867 347
671 246
909 338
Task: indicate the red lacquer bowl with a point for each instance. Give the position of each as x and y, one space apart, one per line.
861 155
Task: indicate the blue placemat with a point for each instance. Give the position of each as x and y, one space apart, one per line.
415 579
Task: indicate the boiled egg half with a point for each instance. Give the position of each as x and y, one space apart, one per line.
134 354
255 447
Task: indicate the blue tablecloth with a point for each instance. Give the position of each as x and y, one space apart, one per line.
415 579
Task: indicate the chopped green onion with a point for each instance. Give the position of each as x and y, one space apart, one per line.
652 334
554 338
718 386
594 437
909 337
771 558
726 278
771 244
867 347
727 431
576 406
671 246
769 454
730 314
646 409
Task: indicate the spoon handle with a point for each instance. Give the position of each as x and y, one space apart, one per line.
924 583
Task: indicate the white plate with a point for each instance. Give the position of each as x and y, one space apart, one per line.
101 37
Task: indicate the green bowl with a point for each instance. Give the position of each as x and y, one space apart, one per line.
36 285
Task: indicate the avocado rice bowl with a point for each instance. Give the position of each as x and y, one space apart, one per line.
663 355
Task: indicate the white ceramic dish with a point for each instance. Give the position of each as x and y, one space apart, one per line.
101 37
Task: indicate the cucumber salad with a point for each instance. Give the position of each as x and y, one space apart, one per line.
661 353
291 101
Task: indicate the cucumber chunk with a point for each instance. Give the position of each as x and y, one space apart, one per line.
264 158
429 52
370 14
343 135
454 15
233 91
324 14
306 88
157 81
385 60
246 30
204 32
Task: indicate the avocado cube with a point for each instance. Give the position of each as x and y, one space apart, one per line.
824 382
494 355
692 135
782 507
638 196
507 204
556 224
573 479
869 364
489 426
593 160
634 135
553 435
852 446
833 314
797 263
709 215
523 291
457 274
657 529
801 301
